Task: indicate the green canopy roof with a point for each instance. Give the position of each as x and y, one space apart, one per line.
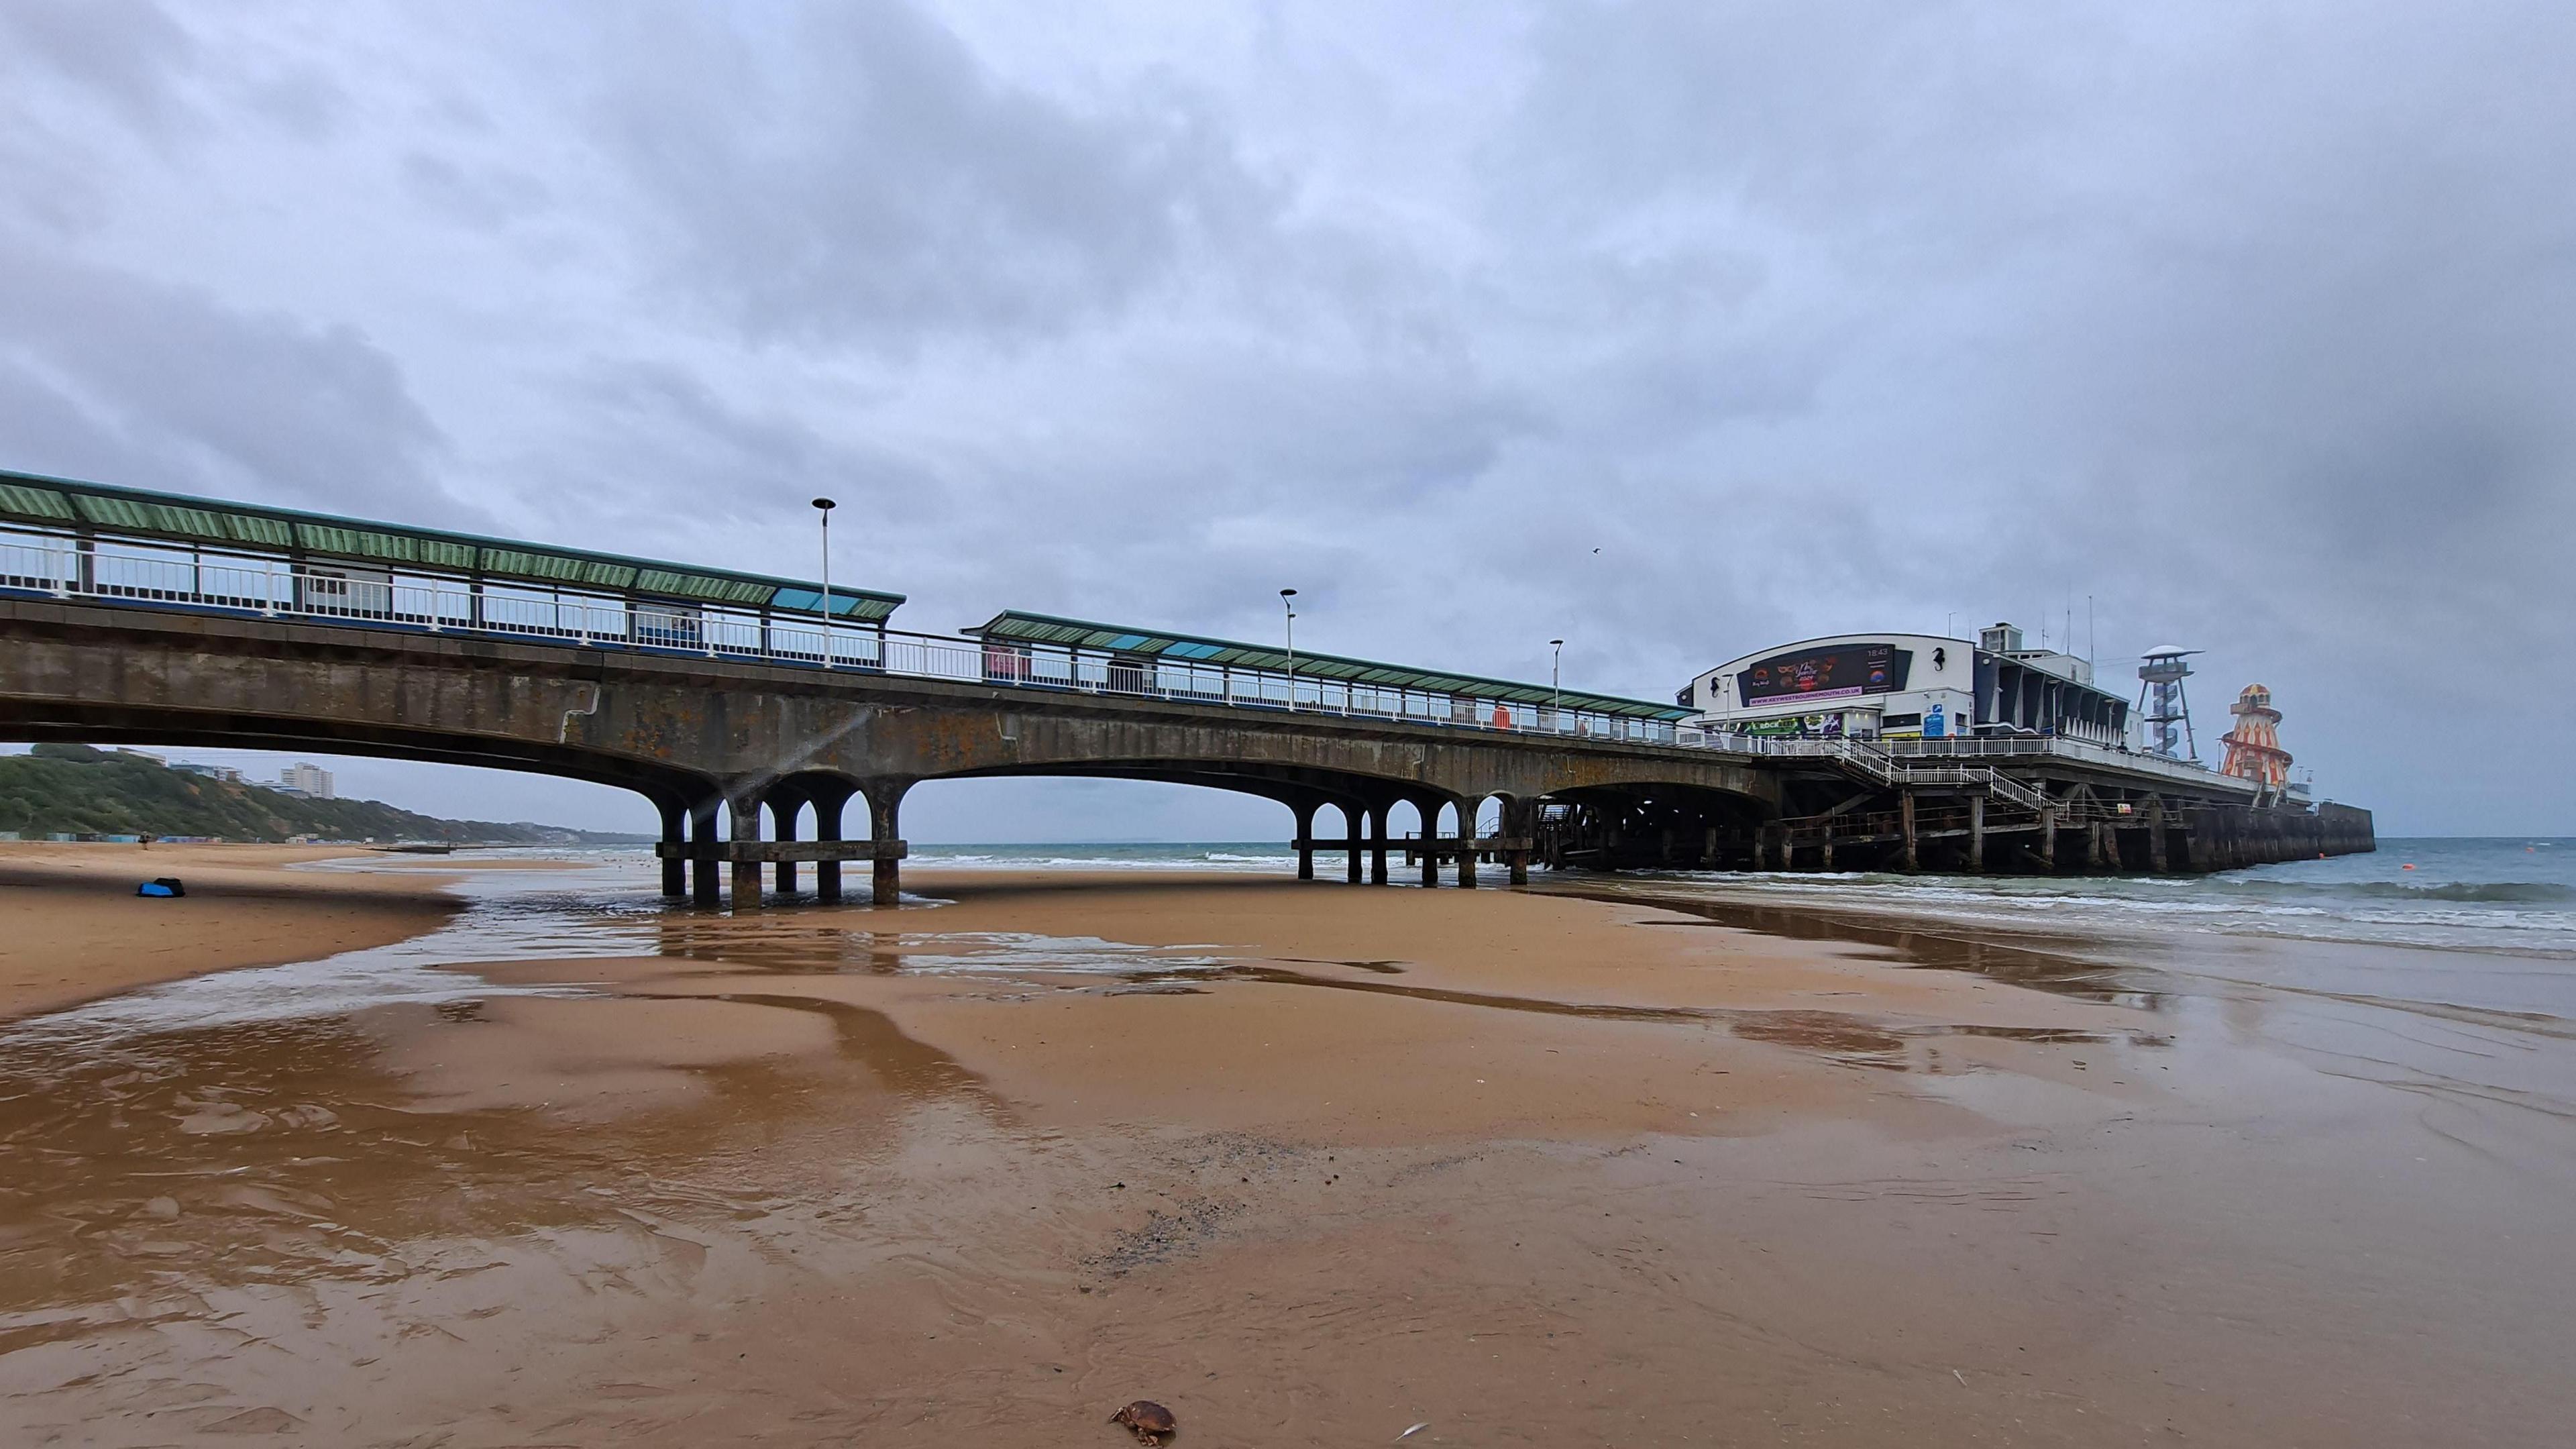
28 498
1016 627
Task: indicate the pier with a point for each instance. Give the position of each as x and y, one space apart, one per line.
756 712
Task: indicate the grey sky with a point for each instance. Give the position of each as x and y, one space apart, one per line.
2250 321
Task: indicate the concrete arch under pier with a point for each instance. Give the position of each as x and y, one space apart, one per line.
710 737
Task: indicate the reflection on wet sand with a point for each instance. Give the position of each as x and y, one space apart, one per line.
593 1170
293 1149
2068 966
1853 1039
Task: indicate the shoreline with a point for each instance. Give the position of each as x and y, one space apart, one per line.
78 933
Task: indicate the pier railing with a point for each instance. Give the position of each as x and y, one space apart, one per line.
2086 751
244 584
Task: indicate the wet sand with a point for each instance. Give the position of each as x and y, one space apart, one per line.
1308 1164
75 930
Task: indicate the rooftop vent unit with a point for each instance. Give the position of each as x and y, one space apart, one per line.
2000 639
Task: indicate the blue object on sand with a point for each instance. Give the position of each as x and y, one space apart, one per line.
167 885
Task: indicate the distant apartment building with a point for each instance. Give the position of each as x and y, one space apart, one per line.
307 779
225 773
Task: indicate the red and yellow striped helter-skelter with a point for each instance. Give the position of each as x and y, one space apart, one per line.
2254 747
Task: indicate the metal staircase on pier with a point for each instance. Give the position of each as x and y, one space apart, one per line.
1876 765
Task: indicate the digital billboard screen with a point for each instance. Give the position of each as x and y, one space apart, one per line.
1838 673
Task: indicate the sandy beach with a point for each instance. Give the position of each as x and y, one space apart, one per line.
76 930
1310 1164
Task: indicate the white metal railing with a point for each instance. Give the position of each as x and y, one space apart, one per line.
2067 749
337 591
121 571
1868 759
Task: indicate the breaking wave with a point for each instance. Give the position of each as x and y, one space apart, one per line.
2507 893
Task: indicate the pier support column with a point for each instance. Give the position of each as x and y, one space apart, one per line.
746 873
1377 842
1976 833
1909 859
1467 843
827 826
2093 845
704 889
885 802
783 805
2048 837
1430 810
1520 821
1825 853
1353 817
1305 839
675 835
2156 834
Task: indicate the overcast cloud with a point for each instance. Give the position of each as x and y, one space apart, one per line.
2249 322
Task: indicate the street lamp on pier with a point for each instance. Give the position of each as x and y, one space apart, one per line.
824 506
1555 686
1288 605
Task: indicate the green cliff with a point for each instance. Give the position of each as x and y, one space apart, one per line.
73 789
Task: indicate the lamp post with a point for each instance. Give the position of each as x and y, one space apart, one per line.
1287 605
1556 687
824 506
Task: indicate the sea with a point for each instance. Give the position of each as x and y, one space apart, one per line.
2505 893
2512 894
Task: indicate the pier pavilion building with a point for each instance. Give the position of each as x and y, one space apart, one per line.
1908 687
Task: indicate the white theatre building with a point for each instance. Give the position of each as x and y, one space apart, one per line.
1909 687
